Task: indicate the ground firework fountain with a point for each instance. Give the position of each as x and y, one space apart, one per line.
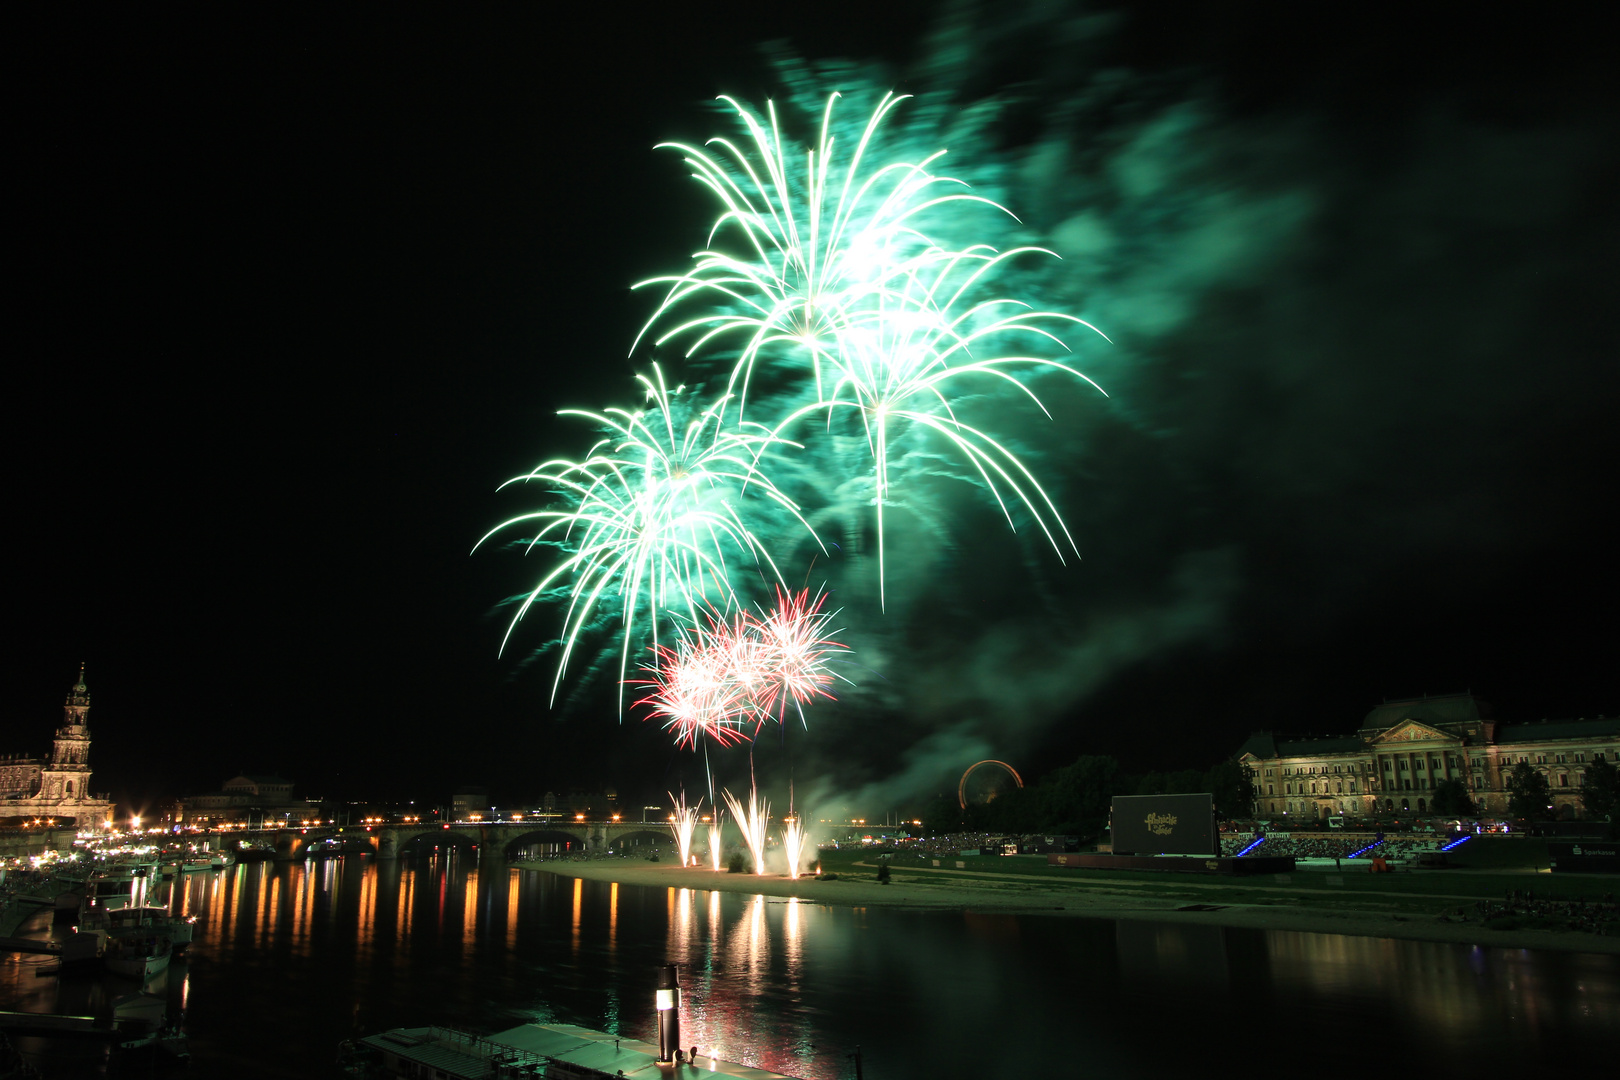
752 819
683 823
714 841
793 838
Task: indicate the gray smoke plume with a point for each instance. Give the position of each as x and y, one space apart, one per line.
1352 334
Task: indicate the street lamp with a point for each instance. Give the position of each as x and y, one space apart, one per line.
668 1001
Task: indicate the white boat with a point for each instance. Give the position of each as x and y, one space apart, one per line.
146 918
113 883
137 956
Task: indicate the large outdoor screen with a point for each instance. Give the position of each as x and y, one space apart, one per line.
1164 825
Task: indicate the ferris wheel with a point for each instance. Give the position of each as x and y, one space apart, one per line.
985 780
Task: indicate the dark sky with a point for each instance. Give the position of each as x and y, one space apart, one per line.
298 293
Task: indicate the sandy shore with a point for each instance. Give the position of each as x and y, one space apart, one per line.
1034 897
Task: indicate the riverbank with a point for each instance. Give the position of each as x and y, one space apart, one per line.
1243 907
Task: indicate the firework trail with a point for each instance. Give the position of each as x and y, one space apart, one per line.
752 819
683 825
818 243
648 519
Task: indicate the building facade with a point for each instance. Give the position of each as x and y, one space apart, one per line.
243 800
58 787
1403 749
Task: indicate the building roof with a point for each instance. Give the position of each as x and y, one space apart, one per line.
1558 729
1429 709
1265 745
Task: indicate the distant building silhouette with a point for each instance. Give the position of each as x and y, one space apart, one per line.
242 800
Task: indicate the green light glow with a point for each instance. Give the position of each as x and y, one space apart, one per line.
648 519
830 269
837 311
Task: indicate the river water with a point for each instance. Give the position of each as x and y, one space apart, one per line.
290 959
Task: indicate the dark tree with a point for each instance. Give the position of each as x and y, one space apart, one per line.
943 814
1075 799
1016 810
1451 797
1232 785
1529 793
1600 793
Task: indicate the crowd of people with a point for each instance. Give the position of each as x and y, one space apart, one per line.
1332 847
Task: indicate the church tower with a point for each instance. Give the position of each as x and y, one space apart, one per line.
67 776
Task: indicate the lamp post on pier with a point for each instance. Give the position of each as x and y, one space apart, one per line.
669 1014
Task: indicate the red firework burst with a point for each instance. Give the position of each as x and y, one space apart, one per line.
719 676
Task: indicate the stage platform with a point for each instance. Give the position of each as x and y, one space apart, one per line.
1176 864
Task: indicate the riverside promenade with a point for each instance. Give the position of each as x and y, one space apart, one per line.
1438 914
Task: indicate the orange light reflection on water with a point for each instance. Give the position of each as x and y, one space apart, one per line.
579 902
403 910
514 885
469 907
368 911
729 966
260 912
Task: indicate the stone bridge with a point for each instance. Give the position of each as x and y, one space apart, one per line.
495 842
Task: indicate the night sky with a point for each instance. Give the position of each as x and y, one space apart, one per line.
294 295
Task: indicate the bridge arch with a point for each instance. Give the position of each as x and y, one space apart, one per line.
420 841
543 842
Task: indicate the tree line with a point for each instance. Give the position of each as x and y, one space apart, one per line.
1074 800
1530 792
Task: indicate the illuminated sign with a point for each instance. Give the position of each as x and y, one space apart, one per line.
1164 825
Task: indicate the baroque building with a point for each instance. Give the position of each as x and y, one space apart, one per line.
59 786
1403 749
243 800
